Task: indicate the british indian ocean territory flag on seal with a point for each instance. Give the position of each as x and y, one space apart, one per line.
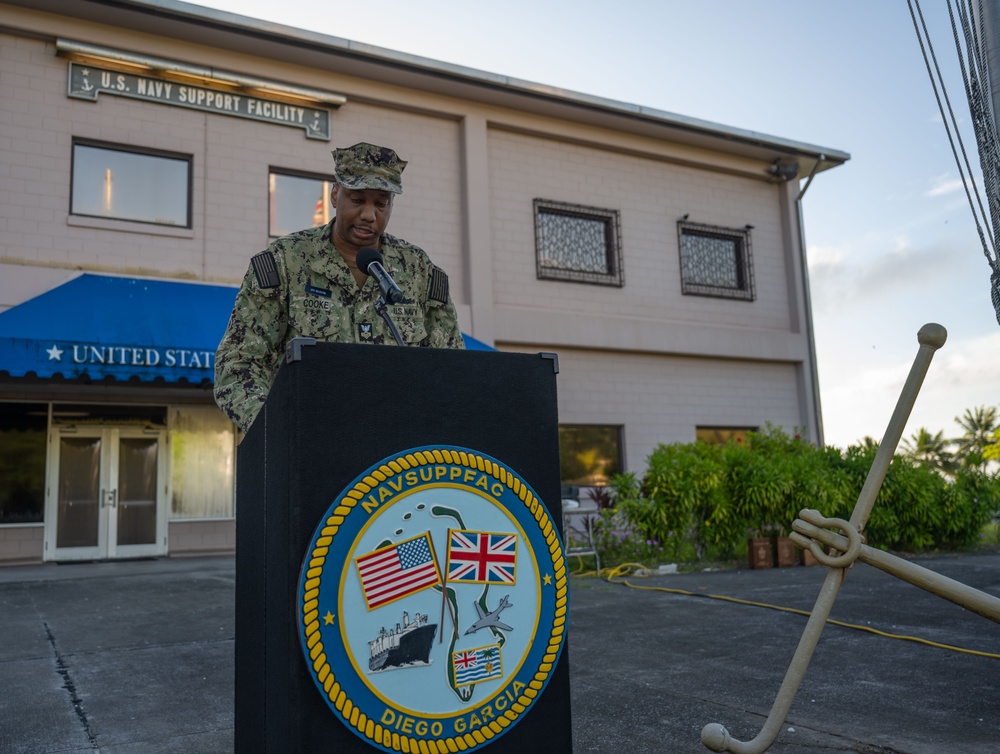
433 601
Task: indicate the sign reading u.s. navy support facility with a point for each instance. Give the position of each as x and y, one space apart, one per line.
86 82
433 601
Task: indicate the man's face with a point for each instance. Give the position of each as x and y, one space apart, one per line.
362 216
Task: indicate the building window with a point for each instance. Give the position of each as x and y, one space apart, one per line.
297 201
722 435
582 244
203 449
124 183
715 261
22 462
589 454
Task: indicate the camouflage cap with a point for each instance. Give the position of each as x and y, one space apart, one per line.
366 166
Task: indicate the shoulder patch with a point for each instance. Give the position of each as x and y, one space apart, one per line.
439 286
265 270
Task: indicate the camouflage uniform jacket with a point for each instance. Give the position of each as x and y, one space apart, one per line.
316 297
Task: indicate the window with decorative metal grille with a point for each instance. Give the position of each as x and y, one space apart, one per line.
577 243
716 261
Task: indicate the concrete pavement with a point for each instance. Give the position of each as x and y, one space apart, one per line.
130 657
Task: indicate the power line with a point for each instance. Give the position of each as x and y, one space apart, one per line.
975 76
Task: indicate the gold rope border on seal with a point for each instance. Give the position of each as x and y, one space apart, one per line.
365 725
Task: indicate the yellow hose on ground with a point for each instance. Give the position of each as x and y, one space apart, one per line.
616 576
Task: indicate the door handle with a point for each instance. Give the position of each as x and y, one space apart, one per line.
109 498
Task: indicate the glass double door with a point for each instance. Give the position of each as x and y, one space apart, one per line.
106 493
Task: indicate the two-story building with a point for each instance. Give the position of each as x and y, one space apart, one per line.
149 148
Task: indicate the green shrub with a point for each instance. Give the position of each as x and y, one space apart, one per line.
968 506
620 542
700 501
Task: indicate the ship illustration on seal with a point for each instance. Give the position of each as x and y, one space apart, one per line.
408 644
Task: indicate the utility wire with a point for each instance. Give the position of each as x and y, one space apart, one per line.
979 106
975 77
945 116
981 118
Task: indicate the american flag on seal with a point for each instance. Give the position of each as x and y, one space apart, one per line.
481 557
393 572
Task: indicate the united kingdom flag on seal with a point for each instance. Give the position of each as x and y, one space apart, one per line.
482 557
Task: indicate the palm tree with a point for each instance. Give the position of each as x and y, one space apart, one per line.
979 425
992 451
930 450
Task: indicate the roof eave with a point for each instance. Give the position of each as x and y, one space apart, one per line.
296 45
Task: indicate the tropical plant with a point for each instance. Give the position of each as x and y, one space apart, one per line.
680 497
979 426
620 542
698 501
929 450
602 497
991 452
968 505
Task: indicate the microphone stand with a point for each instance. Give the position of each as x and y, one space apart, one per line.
383 311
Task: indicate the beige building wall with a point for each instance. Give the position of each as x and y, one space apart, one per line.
480 150
24 543
651 195
231 158
644 376
202 537
21 543
663 400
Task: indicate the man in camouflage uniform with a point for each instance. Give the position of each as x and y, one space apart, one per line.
308 284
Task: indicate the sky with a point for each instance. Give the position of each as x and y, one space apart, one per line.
891 241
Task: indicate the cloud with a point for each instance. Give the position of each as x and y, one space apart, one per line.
945 184
868 272
946 187
825 257
859 401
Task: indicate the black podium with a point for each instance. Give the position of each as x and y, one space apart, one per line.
353 418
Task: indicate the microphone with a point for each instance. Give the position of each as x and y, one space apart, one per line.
370 263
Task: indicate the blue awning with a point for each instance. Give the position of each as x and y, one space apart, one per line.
471 344
97 327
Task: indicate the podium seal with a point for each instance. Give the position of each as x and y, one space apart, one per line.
433 601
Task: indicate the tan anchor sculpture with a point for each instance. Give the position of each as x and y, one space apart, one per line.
813 531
